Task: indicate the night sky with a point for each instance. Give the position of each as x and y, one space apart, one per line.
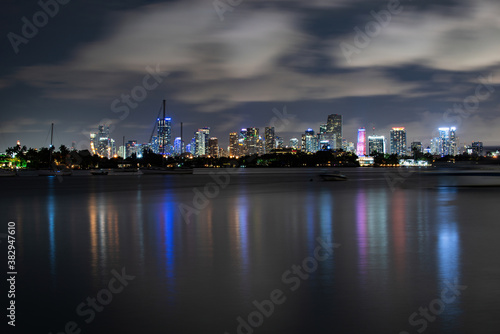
425 65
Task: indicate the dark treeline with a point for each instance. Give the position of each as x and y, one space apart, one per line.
83 159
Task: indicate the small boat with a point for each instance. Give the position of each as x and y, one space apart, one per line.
8 173
99 172
333 177
55 172
156 171
126 170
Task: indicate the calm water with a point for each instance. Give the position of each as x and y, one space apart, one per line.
400 250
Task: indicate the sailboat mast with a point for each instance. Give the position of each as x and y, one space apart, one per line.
163 132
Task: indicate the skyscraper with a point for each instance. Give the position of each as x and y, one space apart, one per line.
294 143
334 127
233 145
252 141
446 143
309 141
361 147
269 139
213 147
477 148
164 135
201 140
398 141
376 144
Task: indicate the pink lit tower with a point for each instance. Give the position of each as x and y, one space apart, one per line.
361 148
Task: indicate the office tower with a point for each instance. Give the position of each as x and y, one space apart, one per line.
201 141
233 145
309 141
322 128
252 141
446 143
242 142
177 146
279 143
361 147
101 144
334 127
93 143
122 152
164 128
213 147
477 148
350 147
398 141
294 143
130 148
376 144
416 146
270 139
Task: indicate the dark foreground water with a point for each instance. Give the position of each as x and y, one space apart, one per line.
268 253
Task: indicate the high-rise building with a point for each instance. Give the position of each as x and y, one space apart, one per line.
177 146
376 144
201 140
130 148
294 143
477 148
416 146
233 145
164 135
242 143
446 143
398 141
270 139
252 141
213 147
101 144
361 147
279 143
309 141
334 127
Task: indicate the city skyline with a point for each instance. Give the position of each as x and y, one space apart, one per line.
235 71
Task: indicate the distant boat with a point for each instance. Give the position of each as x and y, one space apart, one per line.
8 173
336 176
126 170
156 171
55 170
99 172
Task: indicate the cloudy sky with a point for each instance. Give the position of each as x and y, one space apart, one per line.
231 64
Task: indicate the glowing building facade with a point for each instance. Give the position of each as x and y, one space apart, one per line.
398 141
361 147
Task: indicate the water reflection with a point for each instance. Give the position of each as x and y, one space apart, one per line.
448 247
51 209
104 233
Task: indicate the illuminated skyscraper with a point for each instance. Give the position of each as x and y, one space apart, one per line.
213 147
177 146
294 143
164 135
252 141
361 147
269 139
446 143
201 140
398 141
233 145
376 144
477 148
334 127
309 141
